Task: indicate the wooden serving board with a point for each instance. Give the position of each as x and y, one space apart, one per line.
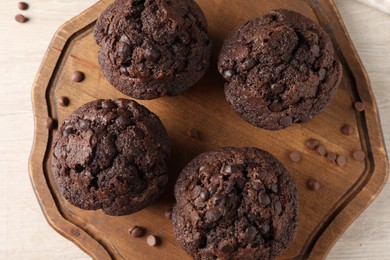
323 215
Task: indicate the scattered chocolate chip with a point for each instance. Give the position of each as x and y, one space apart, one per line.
313 184
257 185
274 188
321 150
286 121
63 101
347 129
277 88
23 6
168 214
152 240
124 71
136 231
204 195
312 143
151 54
227 74
295 156
359 106
341 160
227 169
321 74
78 76
21 18
278 207
331 156
276 107
108 104
125 117
359 155
51 123
264 200
194 133
248 64
124 50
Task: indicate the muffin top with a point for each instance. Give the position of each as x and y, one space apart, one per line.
280 69
148 46
235 203
111 155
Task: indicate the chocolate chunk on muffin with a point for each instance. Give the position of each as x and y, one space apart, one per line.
111 155
235 203
153 48
280 70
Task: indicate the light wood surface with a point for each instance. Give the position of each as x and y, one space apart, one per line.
27 235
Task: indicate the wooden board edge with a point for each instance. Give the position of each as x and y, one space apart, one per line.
379 176
37 177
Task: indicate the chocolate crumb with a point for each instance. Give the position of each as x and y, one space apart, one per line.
21 18
313 184
78 76
136 231
194 133
341 160
312 143
51 123
347 129
295 156
152 240
359 106
359 155
63 101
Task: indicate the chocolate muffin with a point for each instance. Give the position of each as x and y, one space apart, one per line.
153 48
111 155
280 70
235 204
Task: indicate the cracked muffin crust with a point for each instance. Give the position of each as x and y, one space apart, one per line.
235 203
153 48
280 69
111 155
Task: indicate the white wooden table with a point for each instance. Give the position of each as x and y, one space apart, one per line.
24 233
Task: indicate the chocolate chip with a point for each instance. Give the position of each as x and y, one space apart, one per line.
196 192
277 207
21 18
313 184
227 169
212 215
78 76
264 199
151 54
321 150
321 74
265 228
240 182
108 104
216 199
83 124
194 133
204 195
359 106
331 156
125 39
162 180
295 156
258 185
276 107
286 121
23 6
125 117
341 160
359 155
63 101
124 50
124 71
168 214
312 143
51 123
248 64
274 188
227 248
315 50
250 234
277 88
347 129
136 231
152 240
68 130
227 74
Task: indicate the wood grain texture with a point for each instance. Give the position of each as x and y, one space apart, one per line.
323 215
22 226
